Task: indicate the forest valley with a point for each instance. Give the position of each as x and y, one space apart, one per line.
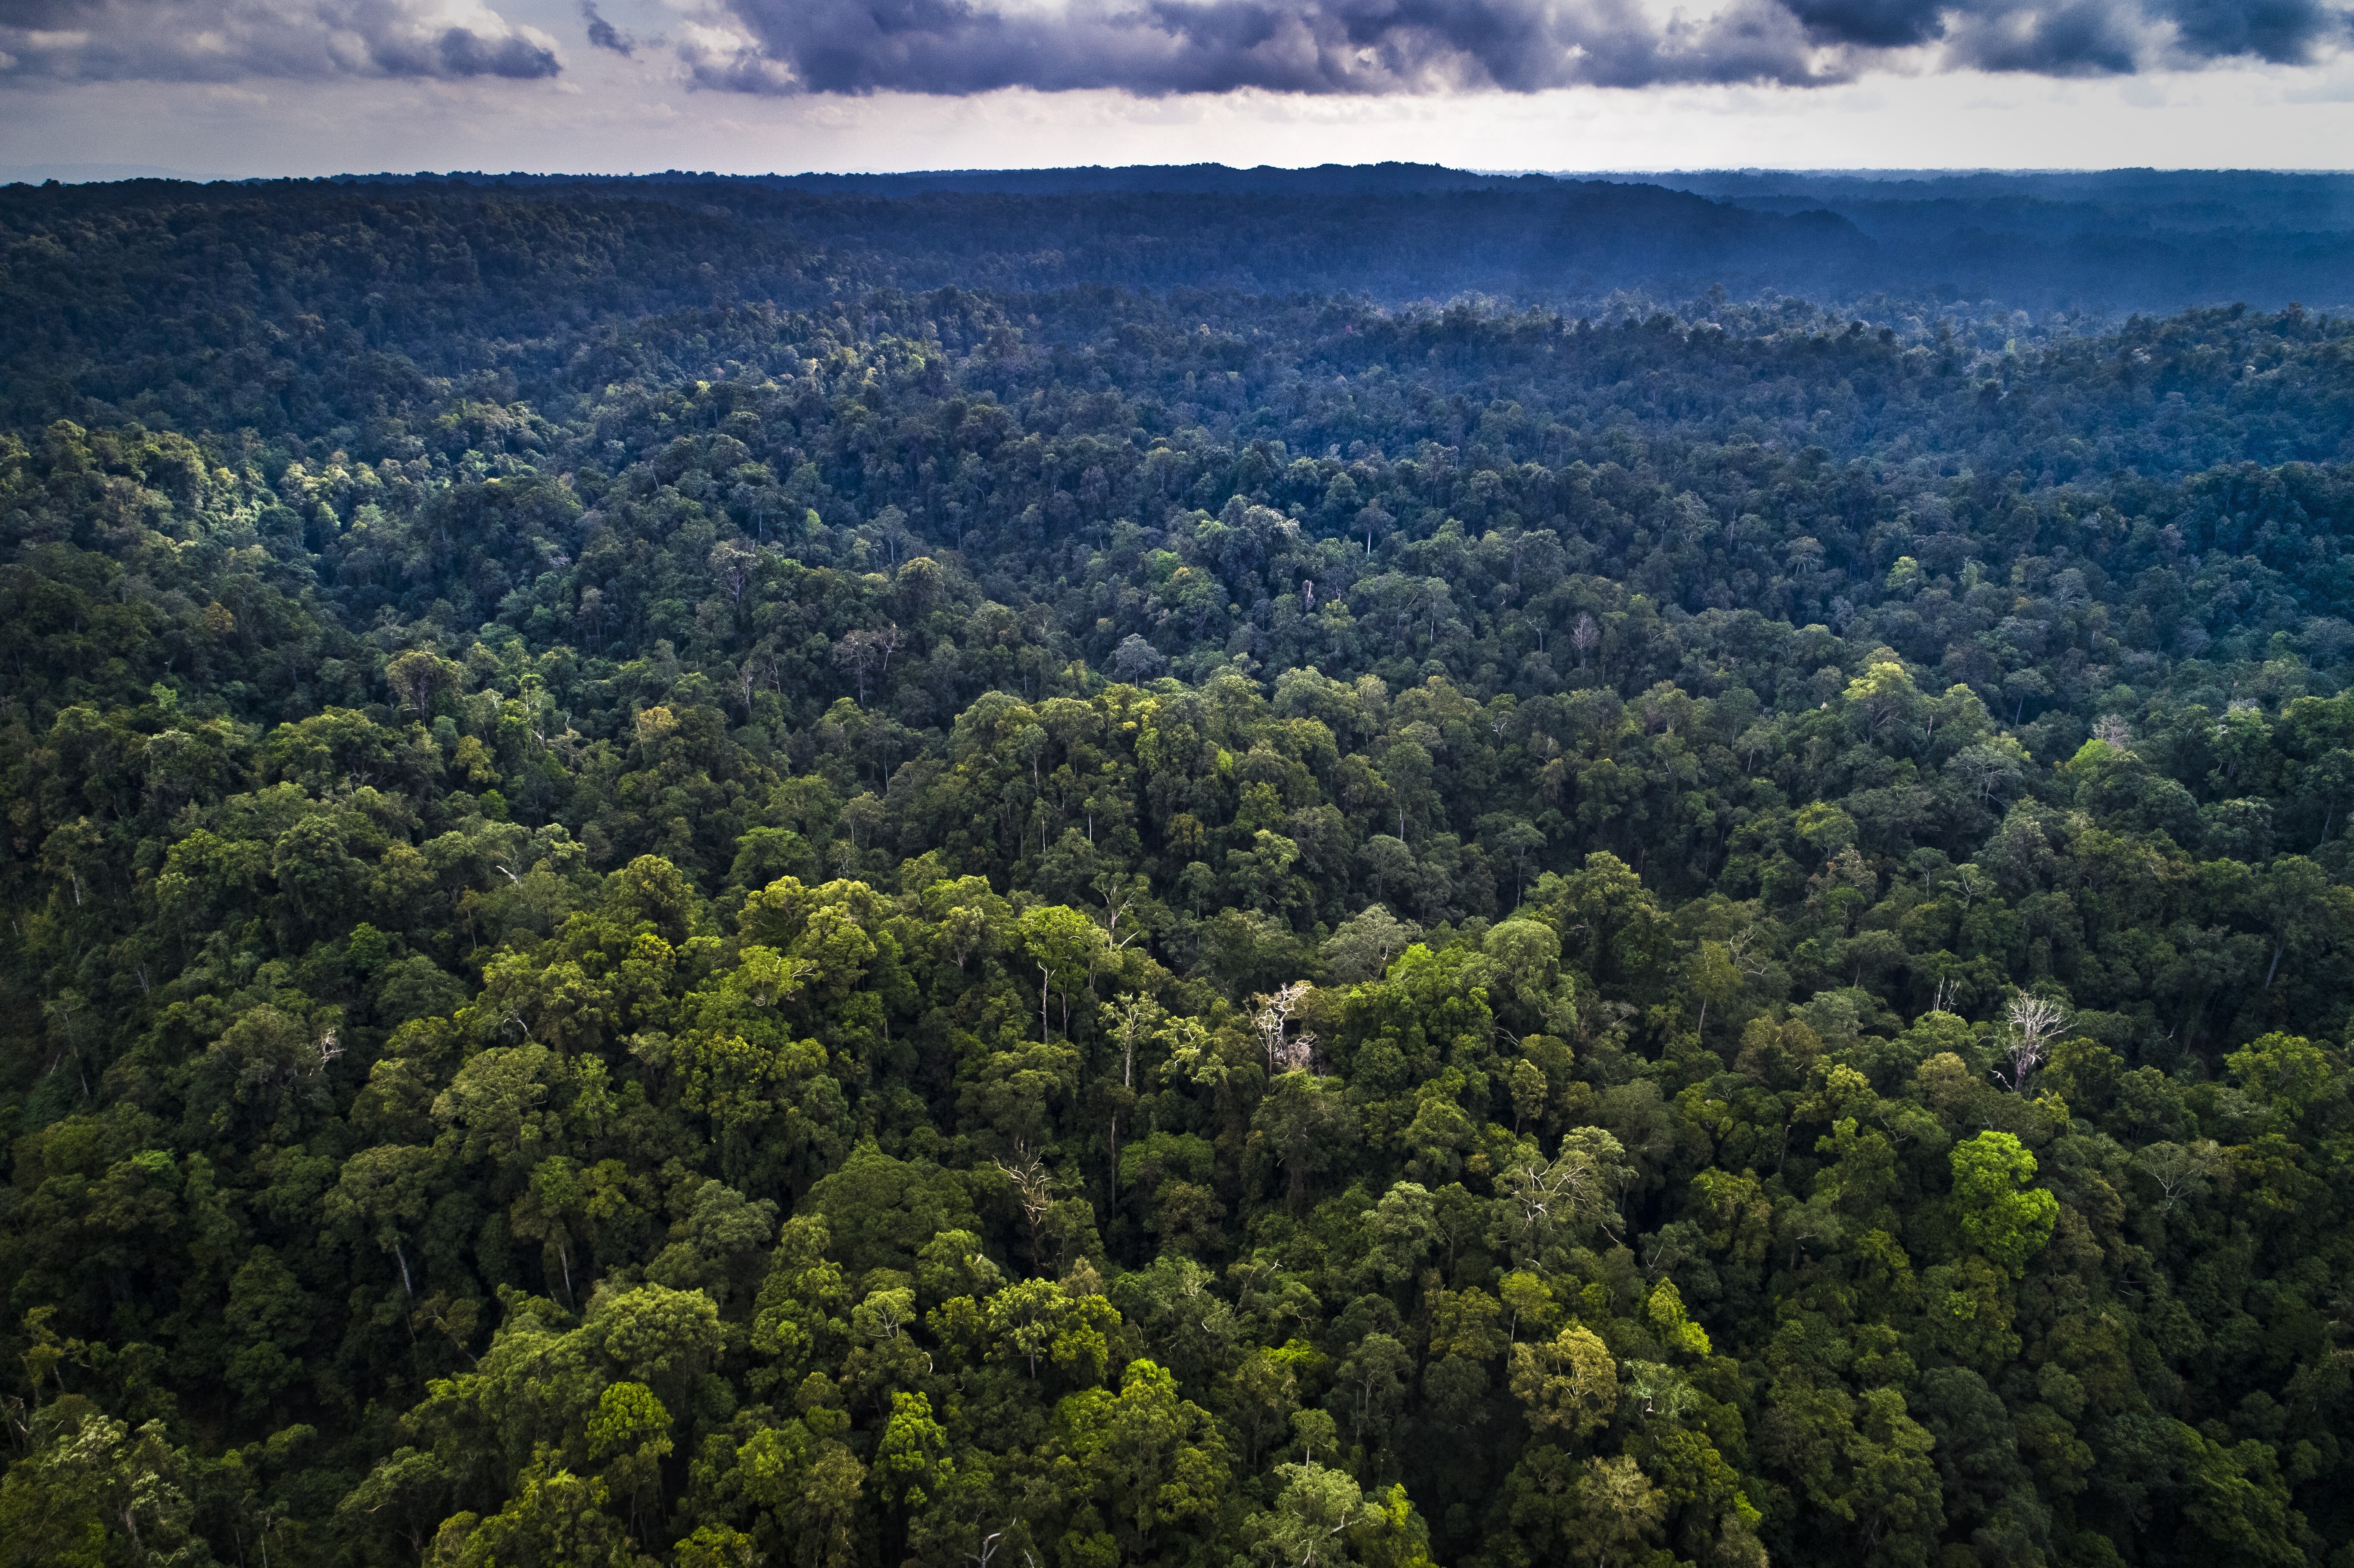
1074 929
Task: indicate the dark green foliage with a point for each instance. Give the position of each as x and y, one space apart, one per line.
700 932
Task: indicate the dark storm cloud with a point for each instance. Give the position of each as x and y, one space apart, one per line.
604 35
1323 46
2081 37
1870 23
2109 37
1152 47
232 41
2277 30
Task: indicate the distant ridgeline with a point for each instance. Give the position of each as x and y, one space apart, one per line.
2102 243
1177 867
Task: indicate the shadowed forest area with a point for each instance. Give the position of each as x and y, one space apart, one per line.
1382 870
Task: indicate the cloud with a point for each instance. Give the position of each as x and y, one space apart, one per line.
2115 37
1155 48
2074 38
233 40
1317 47
603 35
2282 31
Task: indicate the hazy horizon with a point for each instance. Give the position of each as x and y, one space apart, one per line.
104 174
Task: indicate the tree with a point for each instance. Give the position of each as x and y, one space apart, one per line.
629 1434
93 1492
416 677
407 1493
1716 977
1570 1194
554 1517
1137 660
1516 839
1990 770
2303 910
1300 1124
1137 1020
272 1313
862 653
381 1192
1568 1382
2179 1172
1363 947
1033 1194
1620 1507
1371 1387
1883 694
1529 992
913 1457
2008 1224
1312 1520
2290 1074
1584 637
875 1212
1261 1395
1150 1459
1064 945
1271 1015
2035 1022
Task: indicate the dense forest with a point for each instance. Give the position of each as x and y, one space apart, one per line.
534 258
713 877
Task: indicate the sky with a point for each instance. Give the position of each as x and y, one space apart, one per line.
97 88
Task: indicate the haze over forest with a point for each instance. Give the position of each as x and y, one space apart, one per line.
1368 865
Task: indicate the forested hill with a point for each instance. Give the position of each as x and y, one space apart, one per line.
673 897
2137 239
2103 244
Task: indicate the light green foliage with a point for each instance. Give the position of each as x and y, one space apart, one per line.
2292 1075
1665 1308
1044 1324
628 1421
913 1456
2008 1225
90 1491
628 1436
1153 1461
1313 1519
